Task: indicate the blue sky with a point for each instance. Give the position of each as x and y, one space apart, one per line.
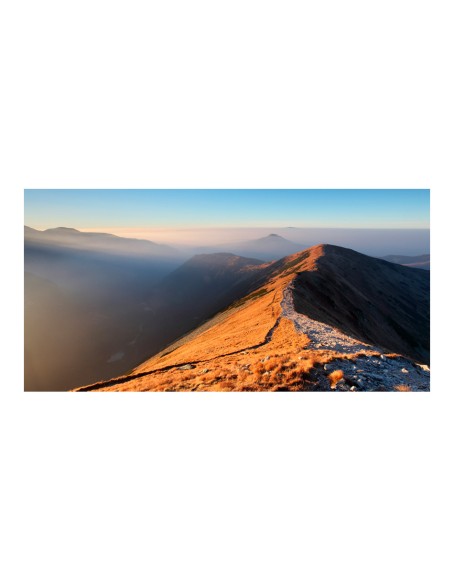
227 208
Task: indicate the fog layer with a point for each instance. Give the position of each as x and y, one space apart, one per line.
374 242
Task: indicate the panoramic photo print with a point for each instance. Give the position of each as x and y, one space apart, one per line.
227 290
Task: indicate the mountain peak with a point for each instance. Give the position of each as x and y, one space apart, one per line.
272 238
331 250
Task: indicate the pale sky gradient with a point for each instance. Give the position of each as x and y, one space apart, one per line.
135 211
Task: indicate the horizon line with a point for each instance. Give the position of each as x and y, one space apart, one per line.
214 227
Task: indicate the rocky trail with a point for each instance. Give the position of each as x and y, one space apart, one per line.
376 373
322 336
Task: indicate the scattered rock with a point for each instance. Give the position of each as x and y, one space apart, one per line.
187 367
424 367
404 371
322 336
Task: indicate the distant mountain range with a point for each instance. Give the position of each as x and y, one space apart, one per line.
98 242
275 246
418 262
321 319
91 263
268 248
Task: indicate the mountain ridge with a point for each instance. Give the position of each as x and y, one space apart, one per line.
271 324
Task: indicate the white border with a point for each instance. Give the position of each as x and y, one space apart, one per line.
226 487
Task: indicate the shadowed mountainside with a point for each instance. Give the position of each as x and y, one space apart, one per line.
371 299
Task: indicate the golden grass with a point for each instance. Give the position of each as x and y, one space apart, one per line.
335 377
281 367
245 327
402 388
227 385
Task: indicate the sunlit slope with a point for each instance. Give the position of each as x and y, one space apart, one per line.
249 328
245 323
262 342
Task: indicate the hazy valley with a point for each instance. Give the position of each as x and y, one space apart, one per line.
99 307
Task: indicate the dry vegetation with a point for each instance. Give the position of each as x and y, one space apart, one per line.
285 363
402 388
335 377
